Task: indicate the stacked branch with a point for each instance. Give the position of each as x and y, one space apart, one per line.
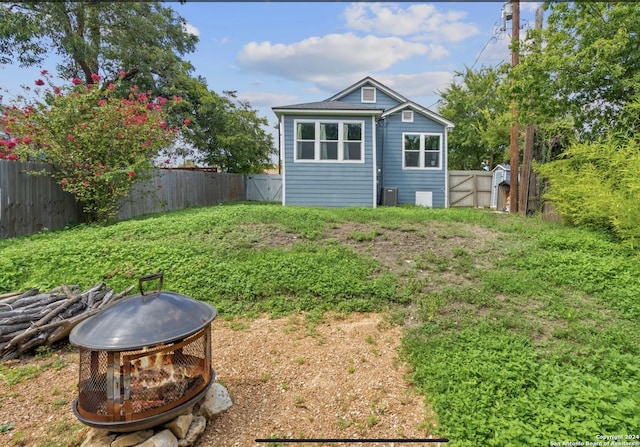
32 319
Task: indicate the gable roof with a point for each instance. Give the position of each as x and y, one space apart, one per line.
322 107
422 110
369 80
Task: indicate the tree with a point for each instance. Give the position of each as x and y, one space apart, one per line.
98 143
226 132
480 110
143 39
585 66
142 44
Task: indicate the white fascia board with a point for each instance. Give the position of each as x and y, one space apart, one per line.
279 112
423 111
368 80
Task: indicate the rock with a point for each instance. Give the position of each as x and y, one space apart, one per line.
162 439
215 402
131 439
98 438
180 425
195 430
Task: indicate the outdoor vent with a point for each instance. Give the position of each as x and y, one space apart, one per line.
368 94
389 196
407 116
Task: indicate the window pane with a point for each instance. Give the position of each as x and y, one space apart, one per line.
353 151
306 131
412 159
305 150
412 142
431 159
352 132
329 151
432 142
329 131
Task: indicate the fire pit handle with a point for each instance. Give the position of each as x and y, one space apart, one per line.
150 278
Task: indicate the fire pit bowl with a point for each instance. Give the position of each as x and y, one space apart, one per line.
144 360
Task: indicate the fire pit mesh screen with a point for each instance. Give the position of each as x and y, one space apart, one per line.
129 385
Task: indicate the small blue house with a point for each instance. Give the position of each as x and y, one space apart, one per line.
362 146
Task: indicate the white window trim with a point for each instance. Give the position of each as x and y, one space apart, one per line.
375 94
316 149
421 166
410 118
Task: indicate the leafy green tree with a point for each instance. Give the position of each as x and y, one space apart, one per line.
141 44
480 110
145 40
584 66
98 142
596 183
226 133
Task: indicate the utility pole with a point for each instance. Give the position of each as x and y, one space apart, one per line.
527 155
515 59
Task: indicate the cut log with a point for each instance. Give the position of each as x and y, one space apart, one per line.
33 319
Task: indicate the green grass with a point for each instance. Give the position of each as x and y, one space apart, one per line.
530 338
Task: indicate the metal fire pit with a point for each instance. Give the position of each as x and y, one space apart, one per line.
144 360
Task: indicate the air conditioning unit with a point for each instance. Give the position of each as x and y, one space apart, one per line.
389 197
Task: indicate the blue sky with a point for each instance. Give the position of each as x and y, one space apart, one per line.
281 53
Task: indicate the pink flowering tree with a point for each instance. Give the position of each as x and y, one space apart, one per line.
99 143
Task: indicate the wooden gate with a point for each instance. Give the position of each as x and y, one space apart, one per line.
470 189
264 187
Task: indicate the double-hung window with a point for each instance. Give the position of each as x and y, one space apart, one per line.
421 150
339 141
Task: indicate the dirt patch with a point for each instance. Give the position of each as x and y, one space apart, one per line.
292 377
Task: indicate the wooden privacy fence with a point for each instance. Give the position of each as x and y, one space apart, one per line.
31 203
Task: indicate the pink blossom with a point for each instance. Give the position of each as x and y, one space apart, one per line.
121 74
131 174
44 72
12 157
11 144
27 140
76 81
102 102
95 77
187 121
39 82
111 86
64 181
70 137
86 183
162 101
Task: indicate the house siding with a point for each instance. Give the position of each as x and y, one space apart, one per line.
383 100
328 184
406 180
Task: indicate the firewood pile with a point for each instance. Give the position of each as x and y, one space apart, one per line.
32 319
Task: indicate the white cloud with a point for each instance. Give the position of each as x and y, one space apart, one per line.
221 41
530 6
423 21
190 29
265 99
416 86
319 59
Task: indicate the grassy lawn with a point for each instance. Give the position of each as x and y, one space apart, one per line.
520 332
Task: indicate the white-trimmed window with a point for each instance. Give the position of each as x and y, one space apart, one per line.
421 150
407 116
329 141
368 94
